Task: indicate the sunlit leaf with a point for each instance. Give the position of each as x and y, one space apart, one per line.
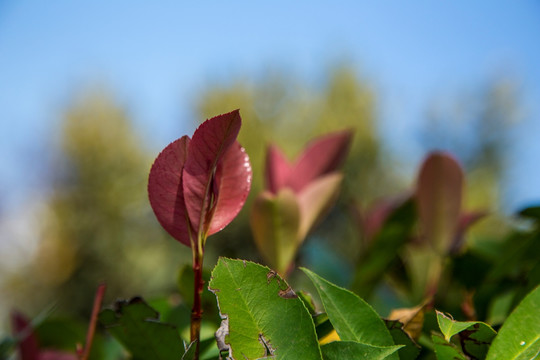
438 194
210 142
165 190
519 337
262 315
352 317
232 183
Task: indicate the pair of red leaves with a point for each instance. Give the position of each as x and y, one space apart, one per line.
197 186
298 195
321 157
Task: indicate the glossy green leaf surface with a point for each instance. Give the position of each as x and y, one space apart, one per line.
136 325
262 315
352 317
339 350
519 337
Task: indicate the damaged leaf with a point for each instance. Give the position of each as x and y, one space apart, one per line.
474 337
262 315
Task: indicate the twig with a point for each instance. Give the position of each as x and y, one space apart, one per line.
84 353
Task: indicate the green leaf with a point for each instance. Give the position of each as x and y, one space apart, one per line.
339 350
352 317
450 327
445 350
474 336
275 221
136 325
519 337
410 349
262 315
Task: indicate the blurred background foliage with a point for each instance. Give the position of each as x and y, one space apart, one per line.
97 225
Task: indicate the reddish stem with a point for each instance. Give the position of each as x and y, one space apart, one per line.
196 311
84 354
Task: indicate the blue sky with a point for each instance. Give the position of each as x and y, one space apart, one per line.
156 56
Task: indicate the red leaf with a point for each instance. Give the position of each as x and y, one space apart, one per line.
22 330
165 190
207 148
231 187
278 169
322 156
439 192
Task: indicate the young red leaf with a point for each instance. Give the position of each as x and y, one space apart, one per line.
278 169
439 192
22 330
206 150
322 156
165 190
231 187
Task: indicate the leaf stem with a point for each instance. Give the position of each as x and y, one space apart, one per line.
196 311
84 354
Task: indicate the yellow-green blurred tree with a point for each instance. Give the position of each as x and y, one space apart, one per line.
100 226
